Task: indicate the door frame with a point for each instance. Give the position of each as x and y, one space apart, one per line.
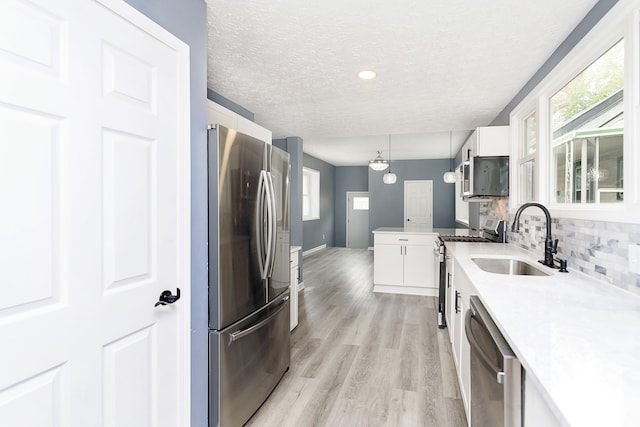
346 237
183 185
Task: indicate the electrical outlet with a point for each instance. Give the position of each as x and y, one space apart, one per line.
634 258
322 236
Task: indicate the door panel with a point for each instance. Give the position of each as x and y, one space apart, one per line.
93 130
129 365
129 202
357 220
418 203
29 155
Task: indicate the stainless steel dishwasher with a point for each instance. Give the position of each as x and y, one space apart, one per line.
496 374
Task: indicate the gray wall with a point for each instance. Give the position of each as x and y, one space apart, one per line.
314 230
348 178
187 20
386 202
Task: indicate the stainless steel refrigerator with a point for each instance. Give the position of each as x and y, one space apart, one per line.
249 345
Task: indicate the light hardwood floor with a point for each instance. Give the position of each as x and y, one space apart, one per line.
359 358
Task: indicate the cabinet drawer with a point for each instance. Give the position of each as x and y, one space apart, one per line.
404 239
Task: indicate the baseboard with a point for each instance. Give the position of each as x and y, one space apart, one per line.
313 250
405 290
300 286
370 248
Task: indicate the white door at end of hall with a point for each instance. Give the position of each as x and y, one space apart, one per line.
357 219
94 225
418 203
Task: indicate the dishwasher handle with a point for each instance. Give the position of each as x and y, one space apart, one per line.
475 346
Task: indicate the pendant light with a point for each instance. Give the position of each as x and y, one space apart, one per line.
378 164
389 177
450 177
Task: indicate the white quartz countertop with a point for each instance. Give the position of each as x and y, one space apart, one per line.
577 338
295 249
417 229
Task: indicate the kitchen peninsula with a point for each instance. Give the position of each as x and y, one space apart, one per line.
403 260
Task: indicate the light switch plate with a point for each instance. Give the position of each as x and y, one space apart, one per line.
634 258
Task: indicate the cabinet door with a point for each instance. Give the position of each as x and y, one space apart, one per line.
419 266
294 297
450 300
456 314
491 141
465 288
536 410
388 265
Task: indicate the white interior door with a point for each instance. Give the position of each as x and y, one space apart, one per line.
94 225
357 219
418 203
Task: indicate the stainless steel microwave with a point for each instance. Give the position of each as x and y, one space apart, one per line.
485 177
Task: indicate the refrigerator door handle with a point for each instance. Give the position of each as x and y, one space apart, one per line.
272 224
244 332
262 260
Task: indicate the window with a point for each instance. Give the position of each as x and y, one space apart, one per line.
574 136
361 203
310 194
527 160
587 127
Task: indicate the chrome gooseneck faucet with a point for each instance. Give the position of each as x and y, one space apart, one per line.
550 245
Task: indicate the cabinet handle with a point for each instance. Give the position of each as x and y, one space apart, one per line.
448 280
456 302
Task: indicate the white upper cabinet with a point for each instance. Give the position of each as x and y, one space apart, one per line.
218 114
489 141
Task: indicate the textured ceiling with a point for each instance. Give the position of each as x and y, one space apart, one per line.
442 66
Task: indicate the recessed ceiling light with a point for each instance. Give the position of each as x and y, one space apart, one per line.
367 74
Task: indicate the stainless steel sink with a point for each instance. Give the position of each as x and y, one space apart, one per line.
509 266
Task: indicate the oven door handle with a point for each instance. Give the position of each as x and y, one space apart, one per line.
473 342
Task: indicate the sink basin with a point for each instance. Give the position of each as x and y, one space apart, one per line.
510 266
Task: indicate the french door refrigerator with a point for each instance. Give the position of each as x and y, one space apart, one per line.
249 345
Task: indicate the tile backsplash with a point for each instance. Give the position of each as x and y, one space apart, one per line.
597 248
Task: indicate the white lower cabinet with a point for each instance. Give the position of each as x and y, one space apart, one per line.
535 409
449 298
462 289
388 265
404 263
419 265
293 286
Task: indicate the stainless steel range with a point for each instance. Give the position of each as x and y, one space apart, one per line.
494 231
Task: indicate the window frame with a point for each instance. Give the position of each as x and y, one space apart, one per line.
314 194
622 21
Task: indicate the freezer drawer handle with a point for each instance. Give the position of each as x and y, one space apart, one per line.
241 334
166 297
